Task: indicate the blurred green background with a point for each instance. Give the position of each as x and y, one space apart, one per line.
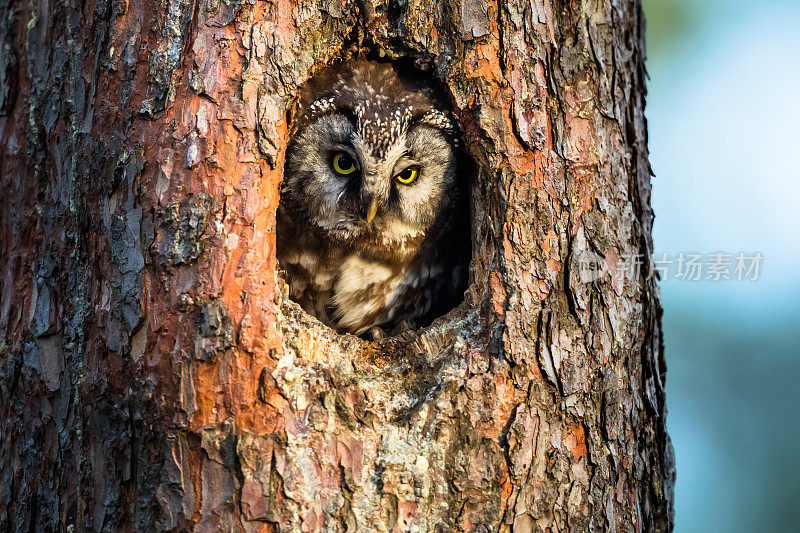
723 110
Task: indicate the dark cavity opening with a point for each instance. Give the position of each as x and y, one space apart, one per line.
373 226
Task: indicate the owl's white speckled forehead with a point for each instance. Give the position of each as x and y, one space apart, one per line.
381 120
380 105
379 128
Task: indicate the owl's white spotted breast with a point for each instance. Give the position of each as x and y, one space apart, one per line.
351 292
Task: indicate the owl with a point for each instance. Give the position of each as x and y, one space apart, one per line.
373 225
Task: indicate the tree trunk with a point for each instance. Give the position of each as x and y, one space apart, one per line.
155 375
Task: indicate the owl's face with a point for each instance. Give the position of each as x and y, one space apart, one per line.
370 169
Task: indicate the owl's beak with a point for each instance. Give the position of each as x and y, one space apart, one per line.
372 209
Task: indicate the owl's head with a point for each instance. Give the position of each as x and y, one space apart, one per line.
372 160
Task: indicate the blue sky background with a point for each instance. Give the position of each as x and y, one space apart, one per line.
724 123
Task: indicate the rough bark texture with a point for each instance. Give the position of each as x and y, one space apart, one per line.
153 374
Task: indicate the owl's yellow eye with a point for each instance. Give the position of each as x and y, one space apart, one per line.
343 164
408 176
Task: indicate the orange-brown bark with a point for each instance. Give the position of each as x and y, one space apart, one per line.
153 373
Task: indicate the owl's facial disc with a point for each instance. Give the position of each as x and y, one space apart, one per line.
384 192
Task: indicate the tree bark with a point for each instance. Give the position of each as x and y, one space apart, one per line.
155 376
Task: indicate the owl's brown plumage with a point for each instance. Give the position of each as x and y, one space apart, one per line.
372 222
